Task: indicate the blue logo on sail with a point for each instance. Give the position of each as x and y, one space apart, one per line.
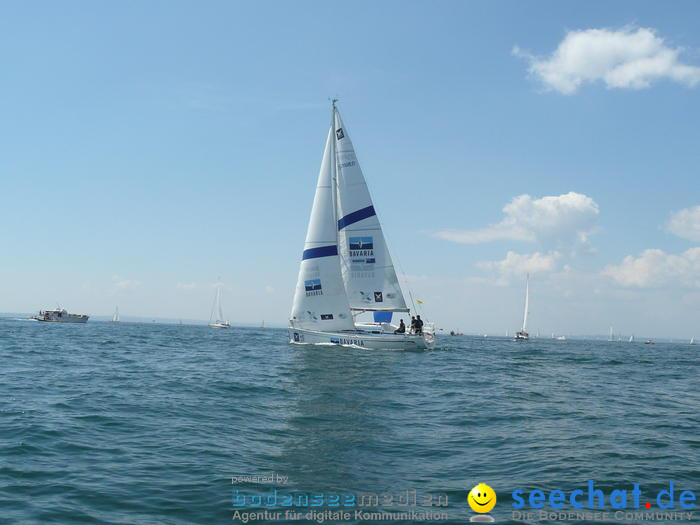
361 250
313 287
361 243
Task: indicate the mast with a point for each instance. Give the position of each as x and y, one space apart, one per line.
334 172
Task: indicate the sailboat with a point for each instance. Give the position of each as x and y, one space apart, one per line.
262 325
216 308
692 340
346 269
611 339
115 317
631 338
522 334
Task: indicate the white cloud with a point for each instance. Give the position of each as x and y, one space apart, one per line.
127 283
685 223
656 268
625 58
121 283
558 221
516 264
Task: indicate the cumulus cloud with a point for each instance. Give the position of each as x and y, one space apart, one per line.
685 223
625 58
656 268
516 264
556 222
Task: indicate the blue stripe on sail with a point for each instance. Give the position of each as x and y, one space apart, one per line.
323 251
356 216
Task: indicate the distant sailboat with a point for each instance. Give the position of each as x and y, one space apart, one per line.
522 334
262 325
216 308
115 317
692 340
611 335
632 338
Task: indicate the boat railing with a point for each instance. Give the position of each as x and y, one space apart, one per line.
429 328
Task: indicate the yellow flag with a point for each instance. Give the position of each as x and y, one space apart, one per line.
419 301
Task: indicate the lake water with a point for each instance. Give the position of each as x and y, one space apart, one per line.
147 423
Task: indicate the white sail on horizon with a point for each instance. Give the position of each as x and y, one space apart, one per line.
115 317
216 307
527 302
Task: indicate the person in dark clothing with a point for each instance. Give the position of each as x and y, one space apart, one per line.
413 325
401 329
419 325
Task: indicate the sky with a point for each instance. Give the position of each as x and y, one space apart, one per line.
148 149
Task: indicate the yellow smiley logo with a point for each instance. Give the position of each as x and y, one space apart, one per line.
482 498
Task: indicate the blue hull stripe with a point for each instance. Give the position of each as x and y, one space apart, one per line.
356 216
323 251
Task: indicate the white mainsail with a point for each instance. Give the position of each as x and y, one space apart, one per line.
115 317
367 268
320 300
216 307
527 302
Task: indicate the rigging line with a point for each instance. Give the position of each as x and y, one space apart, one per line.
405 278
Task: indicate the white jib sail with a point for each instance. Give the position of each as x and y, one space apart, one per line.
368 272
527 303
218 300
320 301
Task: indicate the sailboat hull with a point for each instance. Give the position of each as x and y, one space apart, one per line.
219 325
361 339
